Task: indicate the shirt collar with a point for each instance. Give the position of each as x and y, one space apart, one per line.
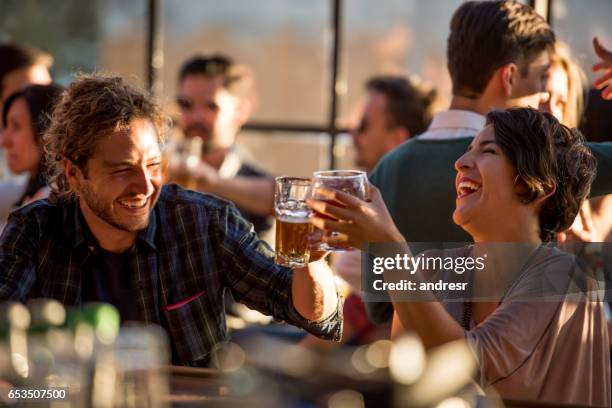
82 234
458 119
147 235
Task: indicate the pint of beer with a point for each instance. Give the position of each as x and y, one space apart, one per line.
292 221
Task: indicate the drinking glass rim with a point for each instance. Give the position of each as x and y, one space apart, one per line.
306 180
348 174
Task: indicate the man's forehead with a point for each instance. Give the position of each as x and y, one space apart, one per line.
138 142
196 83
377 101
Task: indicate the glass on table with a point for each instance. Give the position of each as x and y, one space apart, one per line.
353 182
292 220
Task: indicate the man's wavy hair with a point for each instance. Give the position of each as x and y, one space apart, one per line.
93 107
547 156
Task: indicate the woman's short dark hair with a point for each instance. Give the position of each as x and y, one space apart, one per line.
548 156
40 100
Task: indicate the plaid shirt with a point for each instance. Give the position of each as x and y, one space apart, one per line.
195 246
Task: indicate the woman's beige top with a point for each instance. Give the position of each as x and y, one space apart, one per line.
545 343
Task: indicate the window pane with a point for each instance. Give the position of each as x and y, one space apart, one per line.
276 151
403 37
81 35
576 22
282 41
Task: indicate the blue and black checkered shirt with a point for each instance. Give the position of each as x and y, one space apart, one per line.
194 247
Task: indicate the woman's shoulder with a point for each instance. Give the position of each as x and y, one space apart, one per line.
551 275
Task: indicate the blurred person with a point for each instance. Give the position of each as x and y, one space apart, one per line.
110 232
596 126
604 81
214 102
498 57
565 100
396 108
20 65
25 117
530 347
564 96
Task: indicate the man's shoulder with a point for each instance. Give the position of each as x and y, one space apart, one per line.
42 209
40 219
421 155
417 146
174 196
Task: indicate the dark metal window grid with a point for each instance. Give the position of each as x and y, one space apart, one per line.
154 48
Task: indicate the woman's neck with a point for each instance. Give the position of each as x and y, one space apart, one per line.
516 231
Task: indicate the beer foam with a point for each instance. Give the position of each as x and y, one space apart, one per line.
302 219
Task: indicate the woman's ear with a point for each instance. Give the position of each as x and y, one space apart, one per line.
549 190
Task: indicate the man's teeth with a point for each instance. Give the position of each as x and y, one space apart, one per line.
133 204
466 187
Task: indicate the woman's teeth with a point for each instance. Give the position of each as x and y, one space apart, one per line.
467 187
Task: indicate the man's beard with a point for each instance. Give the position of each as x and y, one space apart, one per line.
198 129
103 210
203 131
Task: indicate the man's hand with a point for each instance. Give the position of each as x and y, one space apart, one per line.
604 81
206 175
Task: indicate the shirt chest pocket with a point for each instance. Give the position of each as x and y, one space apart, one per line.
197 327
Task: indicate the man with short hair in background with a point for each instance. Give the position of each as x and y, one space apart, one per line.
214 102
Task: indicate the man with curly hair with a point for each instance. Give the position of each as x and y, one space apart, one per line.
110 232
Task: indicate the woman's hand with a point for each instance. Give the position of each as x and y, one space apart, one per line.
357 222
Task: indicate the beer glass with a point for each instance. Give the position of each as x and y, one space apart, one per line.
353 182
182 158
292 220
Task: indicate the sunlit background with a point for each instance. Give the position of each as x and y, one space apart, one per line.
310 59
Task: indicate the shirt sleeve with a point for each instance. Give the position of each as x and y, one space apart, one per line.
17 265
256 281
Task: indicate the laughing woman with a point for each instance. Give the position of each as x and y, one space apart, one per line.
521 181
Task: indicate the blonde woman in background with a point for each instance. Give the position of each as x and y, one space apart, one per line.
565 100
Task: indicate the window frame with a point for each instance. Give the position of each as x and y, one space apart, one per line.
154 55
